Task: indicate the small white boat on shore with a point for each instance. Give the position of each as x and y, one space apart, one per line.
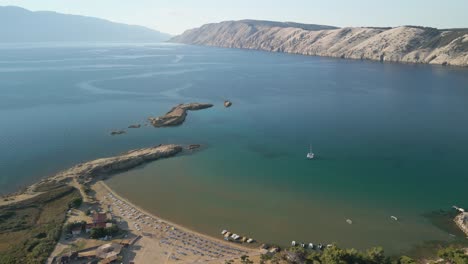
310 154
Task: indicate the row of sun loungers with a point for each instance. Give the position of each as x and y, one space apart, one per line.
184 243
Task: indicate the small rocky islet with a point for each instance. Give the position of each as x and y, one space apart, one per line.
176 116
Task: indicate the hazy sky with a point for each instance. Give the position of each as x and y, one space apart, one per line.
175 16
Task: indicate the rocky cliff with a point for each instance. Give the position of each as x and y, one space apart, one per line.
401 44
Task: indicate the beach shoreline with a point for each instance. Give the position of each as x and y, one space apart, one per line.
181 227
157 239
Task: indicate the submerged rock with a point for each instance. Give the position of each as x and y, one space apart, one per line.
117 132
194 146
134 126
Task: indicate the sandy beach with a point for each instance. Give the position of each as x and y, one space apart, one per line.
163 241
146 238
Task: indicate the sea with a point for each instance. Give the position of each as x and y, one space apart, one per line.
389 139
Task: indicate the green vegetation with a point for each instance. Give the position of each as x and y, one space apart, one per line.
48 186
245 260
86 189
100 232
453 255
30 229
336 255
75 203
69 226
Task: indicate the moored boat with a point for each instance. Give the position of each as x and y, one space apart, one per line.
310 154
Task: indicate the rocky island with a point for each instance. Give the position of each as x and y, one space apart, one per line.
409 44
177 114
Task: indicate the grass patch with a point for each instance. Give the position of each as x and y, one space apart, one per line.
30 229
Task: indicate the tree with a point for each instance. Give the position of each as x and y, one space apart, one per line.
376 256
97 232
333 255
406 260
113 230
453 255
69 226
245 260
264 258
276 259
313 257
75 203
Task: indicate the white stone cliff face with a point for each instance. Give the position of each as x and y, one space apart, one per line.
401 44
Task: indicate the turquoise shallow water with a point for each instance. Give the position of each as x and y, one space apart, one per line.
390 139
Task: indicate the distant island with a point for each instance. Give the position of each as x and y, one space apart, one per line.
21 25
409 44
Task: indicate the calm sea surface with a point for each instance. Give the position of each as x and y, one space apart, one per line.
390 139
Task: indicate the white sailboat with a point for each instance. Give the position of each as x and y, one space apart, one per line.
310 155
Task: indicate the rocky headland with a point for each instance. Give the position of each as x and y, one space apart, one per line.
409 44
177 114
88 171
462 222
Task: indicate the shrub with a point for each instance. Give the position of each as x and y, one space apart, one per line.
75 203
453 255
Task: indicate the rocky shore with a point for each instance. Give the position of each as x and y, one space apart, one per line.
462 222
177 114
87 171
408 44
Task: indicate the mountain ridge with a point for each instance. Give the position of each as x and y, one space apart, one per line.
21 25
408 44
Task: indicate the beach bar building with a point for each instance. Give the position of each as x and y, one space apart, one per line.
99 220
